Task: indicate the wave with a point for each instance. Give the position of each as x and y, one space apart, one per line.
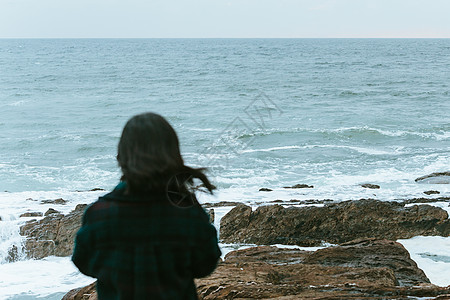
272 149
439 134
370 151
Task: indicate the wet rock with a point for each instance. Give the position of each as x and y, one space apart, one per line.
370 186
52 235
431 192
299 186
55 201
435 178
333 223
31 214
265 190
51 211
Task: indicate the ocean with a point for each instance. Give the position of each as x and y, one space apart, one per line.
332 113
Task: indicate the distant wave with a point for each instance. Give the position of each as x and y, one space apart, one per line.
370 151
17 103
439 135
201 129
272 149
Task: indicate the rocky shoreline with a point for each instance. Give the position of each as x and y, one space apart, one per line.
364 260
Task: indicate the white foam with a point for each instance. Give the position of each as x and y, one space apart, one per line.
40 278
12 205
432 255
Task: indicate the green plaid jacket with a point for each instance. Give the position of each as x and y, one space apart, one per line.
144 247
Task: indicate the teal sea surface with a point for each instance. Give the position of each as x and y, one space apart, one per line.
257 112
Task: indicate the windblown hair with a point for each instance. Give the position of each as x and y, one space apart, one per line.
149 156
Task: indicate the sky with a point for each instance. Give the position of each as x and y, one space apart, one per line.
224 19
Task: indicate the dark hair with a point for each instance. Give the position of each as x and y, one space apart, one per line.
149 156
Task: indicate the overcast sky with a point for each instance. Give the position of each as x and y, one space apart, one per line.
224 18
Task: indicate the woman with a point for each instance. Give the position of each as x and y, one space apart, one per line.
149 238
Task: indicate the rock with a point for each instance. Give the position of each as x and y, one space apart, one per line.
277 201
13 254
56 201
373 269
372 253
31 214
370 186
427 200
51 211
299 186
211 215
333 223
91 190
265 190
346 272
220 204
52 235
435 178
84 293
431 192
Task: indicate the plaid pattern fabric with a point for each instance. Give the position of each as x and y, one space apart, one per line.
144 247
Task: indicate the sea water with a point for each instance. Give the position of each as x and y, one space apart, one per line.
332 113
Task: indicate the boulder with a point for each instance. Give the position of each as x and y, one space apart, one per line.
84 293
299 186
426 200
220 204
372 253
333 223
435 178
52 235
51 211
91 190
31 214
370 186
373 269
211 215
431 192
55 201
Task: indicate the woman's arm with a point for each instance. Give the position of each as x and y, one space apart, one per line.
82 249
206 254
